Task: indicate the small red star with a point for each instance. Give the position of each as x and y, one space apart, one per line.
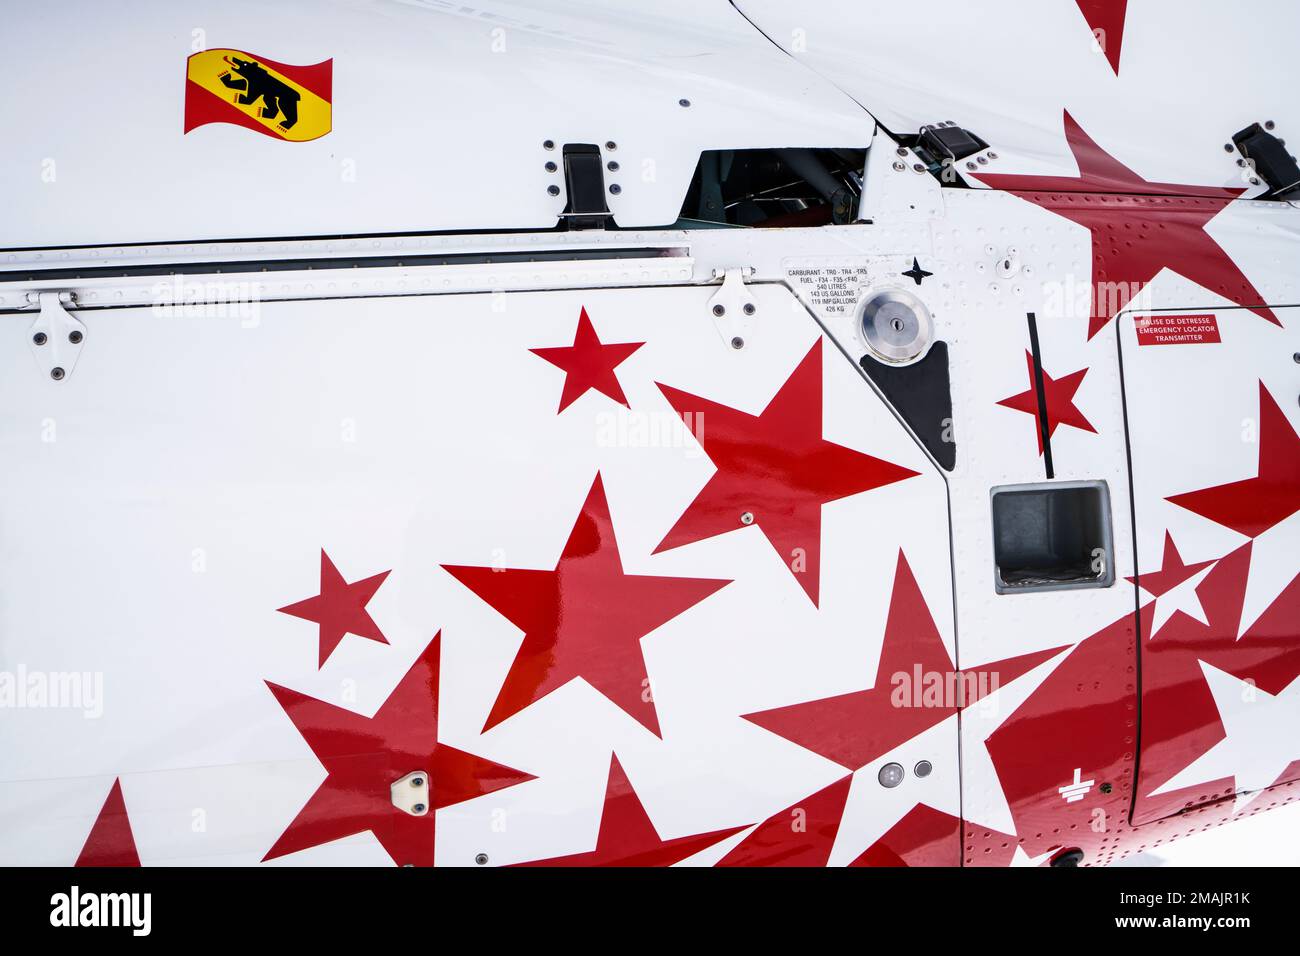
1253 505
776 470
1172 573
363 756
1138 228
586 618
854 729
628 838
340 608
1106 19
111 842
1059 393
589 364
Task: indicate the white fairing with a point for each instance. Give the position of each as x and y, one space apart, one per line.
440 115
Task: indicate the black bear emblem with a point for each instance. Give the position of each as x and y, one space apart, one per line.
255 83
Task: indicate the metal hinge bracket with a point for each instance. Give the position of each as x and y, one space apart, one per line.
56 337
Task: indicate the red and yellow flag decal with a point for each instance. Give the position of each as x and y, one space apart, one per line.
278 99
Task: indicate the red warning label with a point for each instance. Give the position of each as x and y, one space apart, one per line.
1176 329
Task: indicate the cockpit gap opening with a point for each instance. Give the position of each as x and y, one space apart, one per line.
774 188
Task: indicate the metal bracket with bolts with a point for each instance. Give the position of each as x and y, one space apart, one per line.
56 337
732 308
411 793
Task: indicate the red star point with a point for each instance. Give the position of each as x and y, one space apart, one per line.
340 608
588 363
1138 228
627 836
585 618
1253 505
776 467
1106 20
363 756
110 842
1059 394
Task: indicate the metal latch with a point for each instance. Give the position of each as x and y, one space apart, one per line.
56 336
411 793
732 307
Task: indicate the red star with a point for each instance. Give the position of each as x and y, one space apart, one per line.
340 608
1253 505
1059 394
1138 228
584 619
916 687
799 835
110 842
628 838
1172 573
365 755
775 468
589 364
1106 20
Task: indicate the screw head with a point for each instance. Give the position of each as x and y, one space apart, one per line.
719 309
1106 788
549 144
74 337
615 188
683 102
418 808
612 166
747 518
737 343
899 167
1269 124
1227 147
919 167
922 768
992 155
481 859
749 308
40 338
417 781
57 374
551 167
553 190
1296 356
611 145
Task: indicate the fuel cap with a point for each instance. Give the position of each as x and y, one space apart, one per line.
896 324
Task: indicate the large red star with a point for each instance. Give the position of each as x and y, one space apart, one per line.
1253 505
1059 395
628 838
1138 228
584 619
340 608
364 756
1172 573
915 687
110 842
588 363
775 470
1106 19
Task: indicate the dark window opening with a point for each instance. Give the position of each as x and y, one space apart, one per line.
774 188
1052 536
